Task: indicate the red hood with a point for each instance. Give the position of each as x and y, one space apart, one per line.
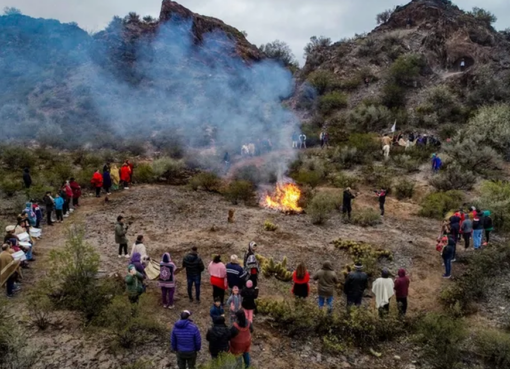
306 279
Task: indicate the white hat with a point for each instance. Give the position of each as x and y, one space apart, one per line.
10 228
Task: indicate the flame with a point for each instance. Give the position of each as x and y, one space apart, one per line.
285 198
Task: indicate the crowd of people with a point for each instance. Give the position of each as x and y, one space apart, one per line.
463 225
112 178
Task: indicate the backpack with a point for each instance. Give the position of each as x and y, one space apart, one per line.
251 262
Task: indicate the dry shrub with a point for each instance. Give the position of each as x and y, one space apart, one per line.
496 197
366 217
378 177
494 347
41 308
208 181
437 204
225 361
404 189
144 173
240 191
167 167
270 226
453 178
407 163
322 206
342 180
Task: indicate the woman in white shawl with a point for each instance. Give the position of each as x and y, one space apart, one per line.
141 249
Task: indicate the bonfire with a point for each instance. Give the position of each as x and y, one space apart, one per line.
285 198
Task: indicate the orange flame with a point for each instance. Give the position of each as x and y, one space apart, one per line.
285 198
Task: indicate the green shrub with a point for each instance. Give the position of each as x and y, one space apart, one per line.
40 307
144 173
441 336
494 347
404 189
476 157
131 324
37 191
9 187
208 181
366 145
321 206
420 153
167 167
393 95
331 102
322 80
437 204
407 163
60 172
342 180
378 177
17 158
307 177
445 104
406 69
240 191
270 226
453 178
249 173
366 217
495 196
346 157
224 361
369 118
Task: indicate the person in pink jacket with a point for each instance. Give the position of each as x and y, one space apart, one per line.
218 273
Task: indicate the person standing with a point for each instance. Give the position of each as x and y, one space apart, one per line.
386 142
76 188
295 140
27 178
115 175
167 280
436 163
447 255
251 264
402 291
477 230
327 281
97 182
59 208
194 267
107 182
218 273
488 225
218 337
467 230
134 284
249 294
355 285
347 202
49 203
125 175
216 309
301 282
383 289
66 186
455 220
136 260
240 338
236 275
186 341
321 138
120 236
381 194
140 248
38 214
234 304
302 141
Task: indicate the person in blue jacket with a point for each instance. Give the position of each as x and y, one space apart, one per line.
59 208
186 341
436 163
236 275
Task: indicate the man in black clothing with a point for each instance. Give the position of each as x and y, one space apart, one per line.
382 199
218 337
27 179
347 202
355 285
50 204
194 267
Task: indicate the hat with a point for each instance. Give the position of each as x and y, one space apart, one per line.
385 273
234 259
358 266
130 266
348 189
10 228
252 244
249 284
185 314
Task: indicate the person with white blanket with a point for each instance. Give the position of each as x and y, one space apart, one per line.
383 290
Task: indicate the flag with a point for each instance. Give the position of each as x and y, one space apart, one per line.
394 128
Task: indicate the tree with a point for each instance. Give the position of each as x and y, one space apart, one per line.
316 44
132 17
280 51
148 19
11 11
483 15
244 33
384 16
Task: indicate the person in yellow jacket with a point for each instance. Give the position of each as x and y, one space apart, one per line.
115 175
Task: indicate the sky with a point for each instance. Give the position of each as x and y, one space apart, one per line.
292 21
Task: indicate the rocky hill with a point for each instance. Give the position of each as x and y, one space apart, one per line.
183 73
409 65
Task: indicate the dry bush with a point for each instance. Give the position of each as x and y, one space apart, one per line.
494 347
496 197
144 173
437 204
322 206
270 226
404 189
406 162
167 167
342 180
366 217
331 102
453 178
208 181
240 191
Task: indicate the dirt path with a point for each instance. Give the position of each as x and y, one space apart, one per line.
174 218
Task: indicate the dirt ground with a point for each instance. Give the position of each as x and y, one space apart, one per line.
173 219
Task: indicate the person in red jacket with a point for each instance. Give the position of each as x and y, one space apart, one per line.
97 182
301 279
240 338
75 187
125 175
131 170
402 291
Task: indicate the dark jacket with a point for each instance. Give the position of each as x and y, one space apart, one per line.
236 275
382 196
186 337
249 296
327 280
477 223
448 249
455 222
48 202
402 284
348 196
216 311
218 337
107 180
356 284
488 224
193 264
27 179
120 233
467 226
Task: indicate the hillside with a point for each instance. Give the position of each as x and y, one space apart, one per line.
412 70
184 75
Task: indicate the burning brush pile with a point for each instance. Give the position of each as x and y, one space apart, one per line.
284 198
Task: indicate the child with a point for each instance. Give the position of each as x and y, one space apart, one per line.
234 304
59 207
249 294
217 309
